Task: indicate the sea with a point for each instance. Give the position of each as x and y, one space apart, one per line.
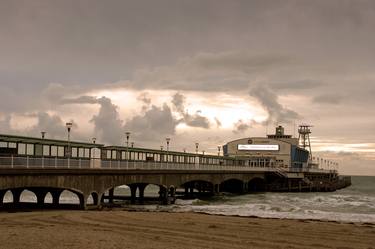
352 204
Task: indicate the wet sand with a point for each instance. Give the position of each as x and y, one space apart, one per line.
123 229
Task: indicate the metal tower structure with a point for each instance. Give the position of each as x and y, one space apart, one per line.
304 132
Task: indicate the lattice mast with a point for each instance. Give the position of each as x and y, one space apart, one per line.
304 132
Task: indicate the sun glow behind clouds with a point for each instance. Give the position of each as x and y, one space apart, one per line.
225 108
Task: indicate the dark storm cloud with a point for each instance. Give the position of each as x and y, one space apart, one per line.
52 124
269 100
107 123
241 126
192 120
305 84
153 125
333 99
80 100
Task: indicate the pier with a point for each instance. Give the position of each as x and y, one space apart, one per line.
92 171
187 179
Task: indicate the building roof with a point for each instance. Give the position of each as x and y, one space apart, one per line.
45 141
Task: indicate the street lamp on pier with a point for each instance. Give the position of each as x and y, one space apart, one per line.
43 134
127 134
218 150
69 126
168 141
94 140
196 147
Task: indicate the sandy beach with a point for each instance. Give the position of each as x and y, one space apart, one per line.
123 229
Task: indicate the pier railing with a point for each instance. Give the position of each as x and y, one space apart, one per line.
68 163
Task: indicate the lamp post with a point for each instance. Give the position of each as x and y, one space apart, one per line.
127 134
132 144
69 126
43 134
218 150
94 140
196 147
203 152
168 141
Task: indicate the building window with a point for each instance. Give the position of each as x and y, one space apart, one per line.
74 152
30 149
60 151
12 145
53 150
87 153
45 150
21 149
81 152
3 145
113 154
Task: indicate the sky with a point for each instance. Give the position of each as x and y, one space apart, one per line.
207 71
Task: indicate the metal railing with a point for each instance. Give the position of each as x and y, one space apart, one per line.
70 163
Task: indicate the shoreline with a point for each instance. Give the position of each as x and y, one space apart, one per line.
239 216
118 228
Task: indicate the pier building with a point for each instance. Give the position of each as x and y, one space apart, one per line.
276 150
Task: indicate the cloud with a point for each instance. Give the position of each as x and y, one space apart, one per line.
333 99
80 100
107 124
145 99
305 84
218 123
153 125
242 126
269 100
195 120
50 123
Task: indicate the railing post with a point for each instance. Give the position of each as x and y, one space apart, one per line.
12 162
42 162
27 162
80 163
68 162
55 162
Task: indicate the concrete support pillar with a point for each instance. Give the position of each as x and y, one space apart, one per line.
172 195
110 195
83 201
199 187
16 195
2 194
55 197
142 188
217 188
163 195
300 186
40 196
133 192
191 190
245 187
289 185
